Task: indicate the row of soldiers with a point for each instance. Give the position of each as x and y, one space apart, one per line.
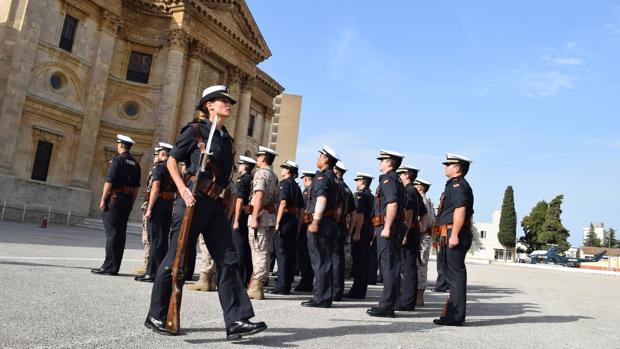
307 229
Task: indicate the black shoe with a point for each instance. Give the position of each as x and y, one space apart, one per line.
439 290
406 308
303 288
100 271
353 295
243 328
158 326
337 299
313 304
380 312
279 291
144 278
443 322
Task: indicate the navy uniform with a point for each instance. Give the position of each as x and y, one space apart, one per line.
210 220
303 257
360 246
120 191
160 209
243 188
457 194
321 243
410 250
389 191
287 226
346 206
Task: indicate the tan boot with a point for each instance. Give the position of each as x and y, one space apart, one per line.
212 281
256 290
419 301
141 270
201 285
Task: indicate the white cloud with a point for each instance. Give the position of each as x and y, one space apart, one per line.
563 60
545 84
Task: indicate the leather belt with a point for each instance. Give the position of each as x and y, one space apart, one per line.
269 208
442 230
212 190
308 218
166 195
124 190
291 210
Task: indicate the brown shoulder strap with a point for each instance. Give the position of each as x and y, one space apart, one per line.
199 139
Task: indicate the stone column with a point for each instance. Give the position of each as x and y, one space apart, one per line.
19 38
191 88
109 27
243 113
233 80
166 119
266 140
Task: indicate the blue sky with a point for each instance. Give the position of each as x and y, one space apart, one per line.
530 90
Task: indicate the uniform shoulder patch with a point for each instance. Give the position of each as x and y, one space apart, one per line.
456 185
386 181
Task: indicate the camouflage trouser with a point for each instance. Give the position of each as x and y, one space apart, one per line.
208 265
145 239
261 247
425 248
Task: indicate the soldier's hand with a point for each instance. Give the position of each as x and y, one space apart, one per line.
356 237
313 227
404 241
102 204
385 233
188 197
147 214
453 241
277 228
254 223
235 225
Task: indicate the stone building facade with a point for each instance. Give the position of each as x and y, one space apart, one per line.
285 127
74 73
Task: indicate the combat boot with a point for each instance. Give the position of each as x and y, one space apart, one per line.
212 281
202 284
141 270
419 301
256 290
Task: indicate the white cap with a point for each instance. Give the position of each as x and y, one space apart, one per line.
265 151
455 158
390 154
124 139
363 175
327 150
290 165
422 182
246 160
341 166
307 173
213 92
165 146
407 168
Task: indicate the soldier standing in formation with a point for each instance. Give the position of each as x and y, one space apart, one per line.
414 207
362 236
243 186
262 220
454 227
389 231
426 223
303 257
287 224
119 193
145 232
346 207
323 229
158 213
209 218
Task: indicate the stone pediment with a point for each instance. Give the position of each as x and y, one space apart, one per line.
237 18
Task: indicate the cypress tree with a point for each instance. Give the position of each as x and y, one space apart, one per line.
553 232
507 234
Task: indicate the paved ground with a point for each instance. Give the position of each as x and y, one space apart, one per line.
48 298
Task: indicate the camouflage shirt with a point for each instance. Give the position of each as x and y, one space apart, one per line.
266 181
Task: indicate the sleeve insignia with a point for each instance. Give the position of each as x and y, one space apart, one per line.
386 181
456 185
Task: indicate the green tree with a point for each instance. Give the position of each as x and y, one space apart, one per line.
553 232
591 239
532 226
610 239
507 234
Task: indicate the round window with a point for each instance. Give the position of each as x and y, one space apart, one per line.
56 81
131 109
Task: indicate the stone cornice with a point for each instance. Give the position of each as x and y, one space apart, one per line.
110 22
178 39
267 83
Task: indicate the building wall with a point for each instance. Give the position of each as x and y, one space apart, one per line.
486 245
193 46
599 230
285 127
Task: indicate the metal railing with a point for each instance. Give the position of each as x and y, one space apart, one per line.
37 212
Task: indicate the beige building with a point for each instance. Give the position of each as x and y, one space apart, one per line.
75 73
285 127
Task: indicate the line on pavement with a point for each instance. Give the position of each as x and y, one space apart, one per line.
66 258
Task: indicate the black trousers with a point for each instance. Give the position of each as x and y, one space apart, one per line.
409 269
373 262
388 253
456 274
285 249
242 247
210 221
115 216
360 251
338 260
441 283
321 248
158 227
303 258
